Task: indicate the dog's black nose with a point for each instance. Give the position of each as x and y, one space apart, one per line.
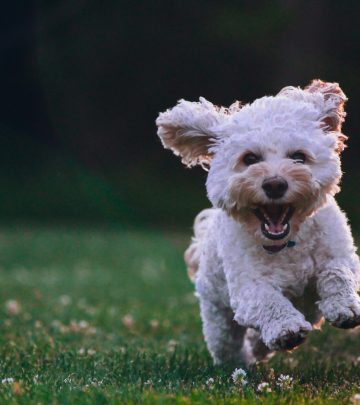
275 187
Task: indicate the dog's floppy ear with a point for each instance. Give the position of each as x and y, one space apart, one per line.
186 129
334 114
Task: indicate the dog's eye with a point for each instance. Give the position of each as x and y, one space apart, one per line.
251 158
299 157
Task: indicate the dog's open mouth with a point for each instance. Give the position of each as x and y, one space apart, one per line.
274 220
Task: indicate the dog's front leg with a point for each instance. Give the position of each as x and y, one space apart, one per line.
264 307
337 287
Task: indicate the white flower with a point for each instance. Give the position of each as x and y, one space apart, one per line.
239 376
13 307
355 399
264 387
172 343
237 373
83 324
128 321
285 378
154 323
68 380
65 300
284 381
210 382
8 380
96 383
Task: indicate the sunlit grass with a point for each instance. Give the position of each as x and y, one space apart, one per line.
109 316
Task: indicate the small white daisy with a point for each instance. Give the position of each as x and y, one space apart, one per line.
239 376
284 381
264 387
355 399
13 307
8 380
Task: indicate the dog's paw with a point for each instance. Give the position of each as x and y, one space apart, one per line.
288 335
342 312
289 340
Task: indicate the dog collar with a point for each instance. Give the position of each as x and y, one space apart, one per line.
291 244
275 249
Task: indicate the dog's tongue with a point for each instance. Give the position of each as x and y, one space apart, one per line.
276 228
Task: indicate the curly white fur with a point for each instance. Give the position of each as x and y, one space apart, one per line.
253 302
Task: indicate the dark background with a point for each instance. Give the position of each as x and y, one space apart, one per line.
82 83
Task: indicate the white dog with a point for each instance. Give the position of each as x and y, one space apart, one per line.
275 254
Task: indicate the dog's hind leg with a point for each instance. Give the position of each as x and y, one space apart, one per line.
223 335
254 349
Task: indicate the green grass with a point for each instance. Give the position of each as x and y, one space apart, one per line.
97 316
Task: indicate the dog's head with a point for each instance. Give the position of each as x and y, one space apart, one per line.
271 163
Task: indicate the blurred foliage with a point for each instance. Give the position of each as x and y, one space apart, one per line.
83 81
43 185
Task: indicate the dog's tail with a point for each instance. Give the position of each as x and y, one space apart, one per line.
193 252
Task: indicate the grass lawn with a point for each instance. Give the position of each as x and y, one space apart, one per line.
99 315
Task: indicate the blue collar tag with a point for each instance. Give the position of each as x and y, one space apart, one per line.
291 244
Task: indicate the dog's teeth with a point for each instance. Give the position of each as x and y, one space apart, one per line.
267 227
284 214
265 215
